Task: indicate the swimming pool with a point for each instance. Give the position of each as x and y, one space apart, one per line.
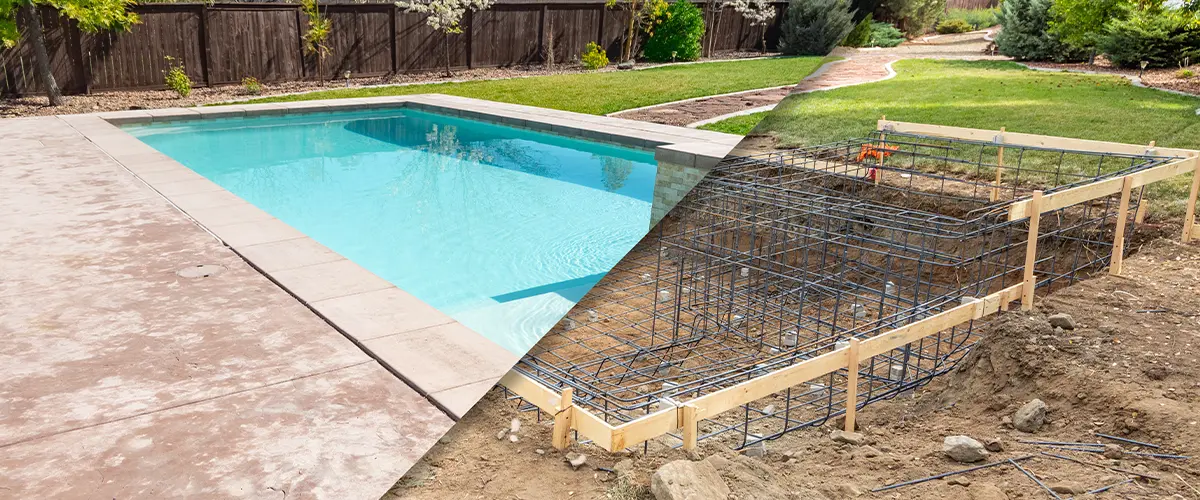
501 228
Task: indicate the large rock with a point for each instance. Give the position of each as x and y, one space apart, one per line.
964 449
1029 418
685 480
851 438
1061 320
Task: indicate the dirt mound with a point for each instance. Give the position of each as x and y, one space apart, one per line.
1129 368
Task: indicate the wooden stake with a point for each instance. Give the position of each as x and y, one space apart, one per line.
882 148
1189 217
1035 217
852 385
561 437
1118 252
999 169
1140 215
690 426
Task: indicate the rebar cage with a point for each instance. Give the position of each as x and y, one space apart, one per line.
775 259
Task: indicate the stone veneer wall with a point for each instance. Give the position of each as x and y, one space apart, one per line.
672 184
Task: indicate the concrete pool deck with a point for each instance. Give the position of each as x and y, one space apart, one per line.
144 357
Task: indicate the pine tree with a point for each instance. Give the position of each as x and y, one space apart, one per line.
814 27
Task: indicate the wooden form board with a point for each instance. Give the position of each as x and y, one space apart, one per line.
1032 140
686 416
1102 188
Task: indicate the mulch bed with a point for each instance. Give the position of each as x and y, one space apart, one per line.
1162 78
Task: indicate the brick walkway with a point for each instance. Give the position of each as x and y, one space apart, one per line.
859 66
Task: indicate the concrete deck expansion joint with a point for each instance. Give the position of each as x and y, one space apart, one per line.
279 362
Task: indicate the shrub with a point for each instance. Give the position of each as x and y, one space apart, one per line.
176 79
594 57
977 18
251 85
1080 23
915 17
1026 34
814 27
953 26
1161 38
1185 73
860 36
676 34
885 35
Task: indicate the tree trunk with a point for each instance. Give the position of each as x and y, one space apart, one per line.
764 39
37 38
628 49
446 48
712 39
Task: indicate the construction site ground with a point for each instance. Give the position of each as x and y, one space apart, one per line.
1128 369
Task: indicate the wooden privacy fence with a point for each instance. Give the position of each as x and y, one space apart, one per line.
222 43
685 417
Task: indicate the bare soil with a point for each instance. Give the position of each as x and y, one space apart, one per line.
150 99
1129 369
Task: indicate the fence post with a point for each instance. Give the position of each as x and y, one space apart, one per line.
851 384
205 45
1035 217
1117 262
565 413
1189 219
392 39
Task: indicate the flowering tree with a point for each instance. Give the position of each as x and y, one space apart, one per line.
445 16
91 16
759 12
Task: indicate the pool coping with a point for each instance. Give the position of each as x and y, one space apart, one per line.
448 363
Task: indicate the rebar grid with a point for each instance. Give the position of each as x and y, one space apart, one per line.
775 259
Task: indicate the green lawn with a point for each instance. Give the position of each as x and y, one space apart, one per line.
989 95
607 92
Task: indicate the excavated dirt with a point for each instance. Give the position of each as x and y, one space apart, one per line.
1129 369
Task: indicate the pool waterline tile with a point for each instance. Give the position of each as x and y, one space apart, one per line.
444 360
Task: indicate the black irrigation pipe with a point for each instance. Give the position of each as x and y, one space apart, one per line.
1102 466
1130 441
948 474
1109 487
1035 479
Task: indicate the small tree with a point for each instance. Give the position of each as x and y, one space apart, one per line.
1080 23
814 27
915 17
759 12
91 16
445 16
1026 34
641 15
319 28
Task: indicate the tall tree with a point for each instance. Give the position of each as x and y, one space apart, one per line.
759 12
1079 23
91 16
445 16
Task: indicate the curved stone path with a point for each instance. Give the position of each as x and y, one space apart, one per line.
858 66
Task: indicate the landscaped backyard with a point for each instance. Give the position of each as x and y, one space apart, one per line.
603 93
988 95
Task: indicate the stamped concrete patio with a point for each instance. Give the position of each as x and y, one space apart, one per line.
160 337
129 375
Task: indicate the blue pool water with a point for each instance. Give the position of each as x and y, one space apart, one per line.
503 229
